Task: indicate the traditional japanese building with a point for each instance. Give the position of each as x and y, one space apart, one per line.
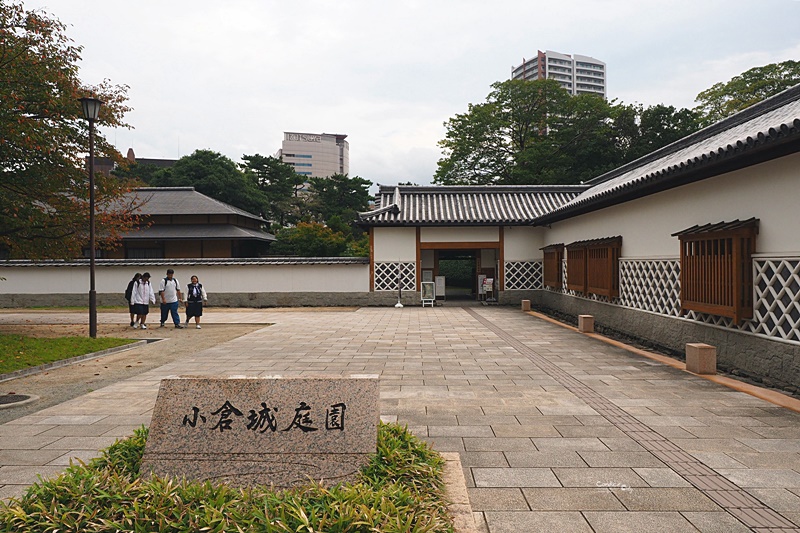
695 241
179 222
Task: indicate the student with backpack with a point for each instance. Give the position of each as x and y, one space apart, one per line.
195 297
129 297
142 296
170 292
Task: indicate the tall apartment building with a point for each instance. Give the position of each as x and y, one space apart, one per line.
576 73
316 155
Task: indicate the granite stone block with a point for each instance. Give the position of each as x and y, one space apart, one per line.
701 358
279 431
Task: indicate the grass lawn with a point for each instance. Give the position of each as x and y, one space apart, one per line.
18 351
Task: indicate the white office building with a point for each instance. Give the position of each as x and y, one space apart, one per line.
316 155
576 73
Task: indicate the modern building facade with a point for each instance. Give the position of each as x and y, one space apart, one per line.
576 73
316 155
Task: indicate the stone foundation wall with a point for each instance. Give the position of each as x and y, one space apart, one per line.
514 297
261 299
771 362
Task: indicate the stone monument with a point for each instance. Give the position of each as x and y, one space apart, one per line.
279 431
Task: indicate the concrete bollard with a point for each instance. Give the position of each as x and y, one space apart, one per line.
701 358
586 323
526 305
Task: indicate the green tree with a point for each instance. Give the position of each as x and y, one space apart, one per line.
504 139
358 247
214 175
309 239
280 185
532 132
644 130
750 87
583 142
44 187
337 200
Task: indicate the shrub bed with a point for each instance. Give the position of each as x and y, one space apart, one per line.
400 490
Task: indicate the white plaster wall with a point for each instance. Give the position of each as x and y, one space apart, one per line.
215 278
523 243
395 244
460 234
769 191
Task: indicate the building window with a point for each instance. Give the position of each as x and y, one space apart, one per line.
716 268
98 253
144 253
576 268
593 266
553 257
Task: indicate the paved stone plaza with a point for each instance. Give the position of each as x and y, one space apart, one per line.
556 430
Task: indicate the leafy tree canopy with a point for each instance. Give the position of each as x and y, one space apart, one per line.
337 200
309 239
44 185
214 175
279 184
750 87
534 132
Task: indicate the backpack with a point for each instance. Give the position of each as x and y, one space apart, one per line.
167 280
129 290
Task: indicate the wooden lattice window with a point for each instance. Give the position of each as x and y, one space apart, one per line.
716 268
593 266
602 267
553 257
576 268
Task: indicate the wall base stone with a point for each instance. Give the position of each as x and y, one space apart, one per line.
257 300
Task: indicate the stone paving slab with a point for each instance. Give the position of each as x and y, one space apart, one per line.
556 431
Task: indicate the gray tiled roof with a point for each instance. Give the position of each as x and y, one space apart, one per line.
767 129
466 205
719 227
198 231
184 201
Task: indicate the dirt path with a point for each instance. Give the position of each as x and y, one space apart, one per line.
58 385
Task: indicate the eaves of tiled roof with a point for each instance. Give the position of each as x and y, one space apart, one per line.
466 205
197 231
765 131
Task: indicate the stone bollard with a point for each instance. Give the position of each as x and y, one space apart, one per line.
586 323
701 358
526 305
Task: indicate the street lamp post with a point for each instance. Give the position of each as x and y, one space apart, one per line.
91 108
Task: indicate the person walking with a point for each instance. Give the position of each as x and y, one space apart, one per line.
170 292
142 296
195 297
129 297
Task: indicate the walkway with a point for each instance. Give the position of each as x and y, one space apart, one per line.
556 431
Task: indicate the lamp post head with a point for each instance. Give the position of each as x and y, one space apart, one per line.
91 108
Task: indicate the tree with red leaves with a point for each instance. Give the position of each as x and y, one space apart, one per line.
44 185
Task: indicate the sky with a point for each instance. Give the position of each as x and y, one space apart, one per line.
232 76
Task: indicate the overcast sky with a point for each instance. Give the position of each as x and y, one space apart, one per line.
233 75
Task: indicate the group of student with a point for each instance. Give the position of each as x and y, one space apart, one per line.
140 295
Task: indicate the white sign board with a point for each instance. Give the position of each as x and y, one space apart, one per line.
428 293
440 287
